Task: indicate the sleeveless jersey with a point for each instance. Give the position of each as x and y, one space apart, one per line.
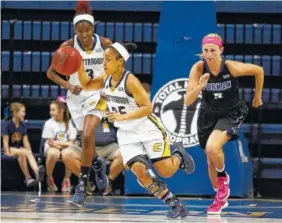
221 91
93 61
119 100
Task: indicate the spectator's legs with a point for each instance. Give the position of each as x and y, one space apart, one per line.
31 160
53 155
71 160
116 166
22 160
23 165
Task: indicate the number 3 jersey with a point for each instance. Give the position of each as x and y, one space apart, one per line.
130 131
221 91
93 61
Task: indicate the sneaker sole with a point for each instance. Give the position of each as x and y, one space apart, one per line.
181 216
191 165
103 189
218 212
76 204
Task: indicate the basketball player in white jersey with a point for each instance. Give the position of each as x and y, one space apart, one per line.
141 137
83 105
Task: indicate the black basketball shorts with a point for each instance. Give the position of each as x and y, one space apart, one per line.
222 119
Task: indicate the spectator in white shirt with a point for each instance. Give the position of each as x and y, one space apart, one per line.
59 134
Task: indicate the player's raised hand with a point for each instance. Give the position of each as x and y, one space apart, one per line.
204 80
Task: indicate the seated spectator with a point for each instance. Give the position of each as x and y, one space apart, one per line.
106 146
59 134
16 144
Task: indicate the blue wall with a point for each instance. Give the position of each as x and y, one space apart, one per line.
221 6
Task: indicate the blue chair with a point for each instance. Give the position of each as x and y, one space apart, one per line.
5 30
276 95
17 61
37 30
65 35
45 91
26 91
16 91
110 30
137 33
276 66
230 33
137 64
45 60
220 30
239 33
5 61
266 64
155 32
148 32
119 34
267 34
54 91
4 91
248 34
100 29
35 91
128 30
258 30
26 61
277 39
266 95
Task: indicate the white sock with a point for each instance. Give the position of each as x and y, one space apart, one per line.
220 170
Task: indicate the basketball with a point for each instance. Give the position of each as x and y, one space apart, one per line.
66 60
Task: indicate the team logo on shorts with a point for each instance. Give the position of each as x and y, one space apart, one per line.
179 120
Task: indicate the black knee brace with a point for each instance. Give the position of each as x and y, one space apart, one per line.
157 186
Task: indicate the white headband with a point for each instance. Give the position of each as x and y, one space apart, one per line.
122 51
81 17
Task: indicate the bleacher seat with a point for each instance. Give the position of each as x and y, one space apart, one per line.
5 30
40 61
250 33
34 91
270 64
272 95
140 32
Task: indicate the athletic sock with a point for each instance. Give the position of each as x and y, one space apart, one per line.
84 174
221 172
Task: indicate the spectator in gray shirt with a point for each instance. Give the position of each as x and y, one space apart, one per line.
107 147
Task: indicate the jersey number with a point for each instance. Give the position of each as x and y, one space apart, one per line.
90 73
217 95
119 109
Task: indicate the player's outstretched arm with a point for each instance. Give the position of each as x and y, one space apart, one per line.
196 83
86 83
245 69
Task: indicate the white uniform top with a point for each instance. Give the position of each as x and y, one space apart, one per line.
93 62
119 100
130 131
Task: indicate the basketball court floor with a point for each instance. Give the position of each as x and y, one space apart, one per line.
28 207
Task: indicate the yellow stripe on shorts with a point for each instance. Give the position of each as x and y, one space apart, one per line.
101 105
166 151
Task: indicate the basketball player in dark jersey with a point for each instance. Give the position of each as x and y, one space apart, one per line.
221 112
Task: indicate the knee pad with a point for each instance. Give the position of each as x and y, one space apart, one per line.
140 159
157 186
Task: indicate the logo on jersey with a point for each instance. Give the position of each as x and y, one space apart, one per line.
179 120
